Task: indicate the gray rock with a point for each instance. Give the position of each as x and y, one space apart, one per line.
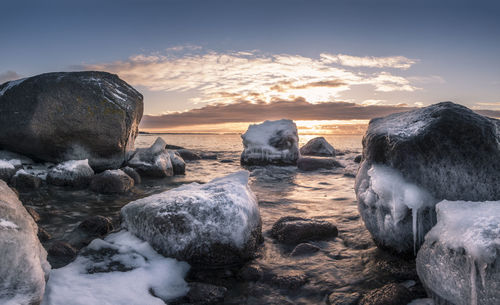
445 150
60 254
214 224
111 181
344 298
312 164
390 294
188 155
304 249
23 180
23 264
70 115
318 147
177 162
294 230
132 173
74 173
153 161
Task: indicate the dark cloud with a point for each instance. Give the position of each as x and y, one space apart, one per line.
299 109
8 75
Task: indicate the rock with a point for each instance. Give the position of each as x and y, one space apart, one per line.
188 155
15 158
153 161
7 170
318 147
250 272
177 162
65 116
33 213
23 260
390 294
209 156
358 158
43 235
61 254
111 181
23 180
304 249
459 262
213 224
174 147
226 161
132 174
312 164
344 298
205 294
89 229
272 142
294 230
288 280
75 173
415 159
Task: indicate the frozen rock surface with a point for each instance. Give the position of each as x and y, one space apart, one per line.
318 147
207 225
75 173
153 161
441 151
23 260
272 142
111 181
121 269
459 262
70 115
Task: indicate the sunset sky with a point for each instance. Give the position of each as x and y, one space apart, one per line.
217 65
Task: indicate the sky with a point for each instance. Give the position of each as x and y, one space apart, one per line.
201 64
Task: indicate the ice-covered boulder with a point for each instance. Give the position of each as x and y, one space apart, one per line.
318 147
153 161
271 142
23 260
177 162
111 181
121 269
70 115
207 225
75 173
459 262
413 160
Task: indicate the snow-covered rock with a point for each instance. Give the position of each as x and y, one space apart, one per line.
75 173
25 180
459 263
111 181
7 170
23 260
153 161
177 162
121 269
271 142
212 224
415 159
318 147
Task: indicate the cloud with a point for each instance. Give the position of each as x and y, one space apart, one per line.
252 76
398 62
8 75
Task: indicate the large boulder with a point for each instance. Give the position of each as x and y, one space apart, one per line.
23 260
153 161
70 115
459 262
74 173
413 160
272 142
318 147
207 225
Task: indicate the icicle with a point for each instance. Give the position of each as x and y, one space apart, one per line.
414 214
473 293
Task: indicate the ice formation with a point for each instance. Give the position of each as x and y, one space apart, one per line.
274 142
23 264
213 223
73 172
385 189
119 270
459 259
152 161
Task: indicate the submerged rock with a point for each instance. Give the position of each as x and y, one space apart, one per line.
70 115
23 260
312 164
75 173
207 225
111 181
344 298
390 294
272 142
177 162
188 155
153 161
413 160
459 262
318 147
294 230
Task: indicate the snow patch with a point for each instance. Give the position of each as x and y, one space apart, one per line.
6 164
119 270
4 223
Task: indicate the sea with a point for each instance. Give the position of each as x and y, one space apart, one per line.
345 267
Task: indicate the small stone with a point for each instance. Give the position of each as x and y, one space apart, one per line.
60 254
291 280
358 158
390 294
294 230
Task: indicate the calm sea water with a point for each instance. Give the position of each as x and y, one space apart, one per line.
349 263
